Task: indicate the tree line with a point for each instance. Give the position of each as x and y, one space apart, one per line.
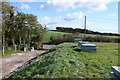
19 28
79 30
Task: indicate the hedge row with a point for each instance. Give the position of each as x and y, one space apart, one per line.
101 39
62 38
70 38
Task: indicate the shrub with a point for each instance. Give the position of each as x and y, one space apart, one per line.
88 38
38 45
100 39
117 40
68 37
60 39
56 39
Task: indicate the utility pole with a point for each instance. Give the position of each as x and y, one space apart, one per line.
85 27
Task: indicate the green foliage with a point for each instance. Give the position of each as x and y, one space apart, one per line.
62 38
101 39
17 27
68 37
9 52
76 30
7 22
37 36
89 37
48 34
56 39
68 61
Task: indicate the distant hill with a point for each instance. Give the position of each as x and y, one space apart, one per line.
79 30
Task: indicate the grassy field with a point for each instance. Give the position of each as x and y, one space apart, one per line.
47 36
52 33
93 35
68 61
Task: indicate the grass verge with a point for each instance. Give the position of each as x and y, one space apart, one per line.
68 61
9 52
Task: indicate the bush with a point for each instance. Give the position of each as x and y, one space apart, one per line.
117 40
68 37
56 39
101 39
88 38
60 39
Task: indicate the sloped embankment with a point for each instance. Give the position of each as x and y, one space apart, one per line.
66 60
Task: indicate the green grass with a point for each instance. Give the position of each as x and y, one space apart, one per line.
93 35
67 61
48 34
9 52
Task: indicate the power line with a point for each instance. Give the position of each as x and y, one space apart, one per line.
95 21
104 21
101 18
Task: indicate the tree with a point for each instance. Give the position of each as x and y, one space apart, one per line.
37 36
7 14
17 27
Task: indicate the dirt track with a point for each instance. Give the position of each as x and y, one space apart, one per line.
14 61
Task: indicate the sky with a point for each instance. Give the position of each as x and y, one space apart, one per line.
101 15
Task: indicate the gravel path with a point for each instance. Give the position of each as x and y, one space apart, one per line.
11 63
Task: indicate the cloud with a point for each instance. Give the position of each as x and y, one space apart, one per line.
25 6
112 15
116 6
23 0
62 5
97 7
50 21
55 21
91 25
30 0
69 17
43 7
74 16
46 20
59 5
